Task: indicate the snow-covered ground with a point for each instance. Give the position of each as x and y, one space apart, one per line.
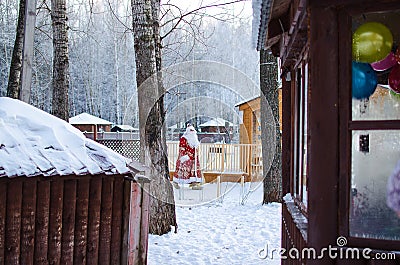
221 231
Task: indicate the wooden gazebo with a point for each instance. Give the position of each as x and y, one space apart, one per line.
91 124
65 199
341 127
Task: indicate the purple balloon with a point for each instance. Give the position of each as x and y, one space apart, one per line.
384 64
394 79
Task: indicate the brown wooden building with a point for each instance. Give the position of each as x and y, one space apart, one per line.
250 129
65 199
89 123
341 131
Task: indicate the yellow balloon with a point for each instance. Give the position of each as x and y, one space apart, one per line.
372 42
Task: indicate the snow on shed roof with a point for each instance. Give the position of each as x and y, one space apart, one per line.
247 100
215 122
35 143
126 127
86 118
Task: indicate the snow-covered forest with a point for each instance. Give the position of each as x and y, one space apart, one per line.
101 52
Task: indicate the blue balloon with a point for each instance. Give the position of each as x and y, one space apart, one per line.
364 80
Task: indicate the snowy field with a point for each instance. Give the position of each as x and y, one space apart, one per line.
220 231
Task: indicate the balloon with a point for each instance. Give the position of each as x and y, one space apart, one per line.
397 55
394 95
394 79
363 81
385 64
372 42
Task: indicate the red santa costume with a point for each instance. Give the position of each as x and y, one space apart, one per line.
187 168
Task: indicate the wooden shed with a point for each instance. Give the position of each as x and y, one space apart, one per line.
86 122
341 127
250 128
65 199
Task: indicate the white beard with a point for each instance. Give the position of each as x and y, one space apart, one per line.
192 139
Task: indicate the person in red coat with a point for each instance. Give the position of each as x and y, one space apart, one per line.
187 170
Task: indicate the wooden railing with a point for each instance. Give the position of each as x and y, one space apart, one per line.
215 159
224 158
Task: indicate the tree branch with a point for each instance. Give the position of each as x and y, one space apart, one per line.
194 12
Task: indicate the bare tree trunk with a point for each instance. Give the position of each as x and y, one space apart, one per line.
271 140
151 113
14 78
59 19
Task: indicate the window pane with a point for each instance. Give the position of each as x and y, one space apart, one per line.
305 172
376 37
374 158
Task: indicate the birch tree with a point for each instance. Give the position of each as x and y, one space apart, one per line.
59 19
14 78
151 113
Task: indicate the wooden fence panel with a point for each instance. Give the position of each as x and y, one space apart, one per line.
3 216
144 223
42 222
55 221
134 224
116 233
81 221
94 221
28 222
68 222
13 222
105 220
125 223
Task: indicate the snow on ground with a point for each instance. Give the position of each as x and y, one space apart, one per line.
222 231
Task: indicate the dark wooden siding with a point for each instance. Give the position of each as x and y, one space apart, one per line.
71 220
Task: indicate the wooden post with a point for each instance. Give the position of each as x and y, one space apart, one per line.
81 221
13 223
55 221
144 224
68 222
94 221
223 153
42 222
134 224
117 216
241 187
106 220
27 55
3 215
218 187
28 221
125 221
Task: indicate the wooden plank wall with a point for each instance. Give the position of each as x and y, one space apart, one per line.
68 220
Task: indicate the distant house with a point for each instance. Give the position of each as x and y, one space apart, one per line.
65 198
89 123
216 125
216 130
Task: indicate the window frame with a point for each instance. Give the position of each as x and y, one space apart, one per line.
347 125
300 142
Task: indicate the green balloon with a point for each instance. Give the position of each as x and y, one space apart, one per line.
372 42
394 95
